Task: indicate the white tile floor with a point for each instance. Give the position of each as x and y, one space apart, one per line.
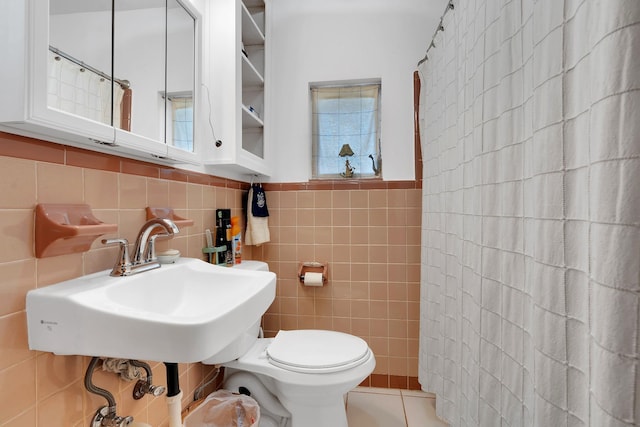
381 407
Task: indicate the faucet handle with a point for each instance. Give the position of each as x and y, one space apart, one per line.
121 241
122 267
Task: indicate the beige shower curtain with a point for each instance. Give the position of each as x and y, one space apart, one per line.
530 118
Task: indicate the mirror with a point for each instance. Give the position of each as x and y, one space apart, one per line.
79 62
139 54
181 62
152 59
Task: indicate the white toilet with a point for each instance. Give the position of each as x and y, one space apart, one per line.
299 378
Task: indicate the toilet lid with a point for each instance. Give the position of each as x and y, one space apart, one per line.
317 351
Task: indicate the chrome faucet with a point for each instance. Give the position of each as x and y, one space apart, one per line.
145 249
144 254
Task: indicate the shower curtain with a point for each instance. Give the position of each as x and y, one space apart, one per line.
530 294
76 90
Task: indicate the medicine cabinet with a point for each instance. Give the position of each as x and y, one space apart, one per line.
116 76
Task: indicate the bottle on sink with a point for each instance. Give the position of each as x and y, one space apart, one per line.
236 239
223 234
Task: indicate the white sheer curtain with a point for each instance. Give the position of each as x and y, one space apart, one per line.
531 225
345 115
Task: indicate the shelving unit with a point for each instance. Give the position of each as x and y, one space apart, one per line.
241 87
253 40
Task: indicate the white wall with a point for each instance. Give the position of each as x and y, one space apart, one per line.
325 40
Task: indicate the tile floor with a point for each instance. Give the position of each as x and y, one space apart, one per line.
381 407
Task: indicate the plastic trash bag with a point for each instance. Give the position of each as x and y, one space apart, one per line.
225 409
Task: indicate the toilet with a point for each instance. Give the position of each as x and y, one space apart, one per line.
299 378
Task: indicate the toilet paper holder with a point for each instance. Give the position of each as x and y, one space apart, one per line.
313 267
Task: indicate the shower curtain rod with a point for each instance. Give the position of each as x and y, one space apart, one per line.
449 7
123 83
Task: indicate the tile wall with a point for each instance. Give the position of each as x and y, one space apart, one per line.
370 238
368 233
41 389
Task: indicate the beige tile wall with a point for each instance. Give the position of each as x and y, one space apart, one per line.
41 389
371 242
369 238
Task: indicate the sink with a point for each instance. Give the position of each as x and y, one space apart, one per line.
182 312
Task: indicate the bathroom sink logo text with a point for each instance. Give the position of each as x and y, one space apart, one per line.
49 324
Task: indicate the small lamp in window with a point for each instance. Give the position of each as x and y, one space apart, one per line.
346 151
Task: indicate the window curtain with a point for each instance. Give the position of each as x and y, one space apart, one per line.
345 115
182 122
530 293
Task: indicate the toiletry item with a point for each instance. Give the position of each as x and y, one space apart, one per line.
169 256
236 239
312 279
207 235
223 229
229 252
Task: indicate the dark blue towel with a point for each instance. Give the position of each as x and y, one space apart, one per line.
259 202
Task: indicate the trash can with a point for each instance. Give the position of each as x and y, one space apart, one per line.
225 409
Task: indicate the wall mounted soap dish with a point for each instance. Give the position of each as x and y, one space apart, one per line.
168 213
66 228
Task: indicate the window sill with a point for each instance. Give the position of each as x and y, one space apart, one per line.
337 178
344 184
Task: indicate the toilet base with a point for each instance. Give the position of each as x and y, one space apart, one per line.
322 411
331 413
300 399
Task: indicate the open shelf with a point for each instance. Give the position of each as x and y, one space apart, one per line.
250 75
251 32
250 120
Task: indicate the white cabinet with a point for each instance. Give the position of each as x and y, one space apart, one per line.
59 58
235 44
24 44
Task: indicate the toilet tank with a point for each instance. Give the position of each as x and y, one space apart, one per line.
253 265
244 342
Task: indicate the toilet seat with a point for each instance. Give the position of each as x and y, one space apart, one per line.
316 351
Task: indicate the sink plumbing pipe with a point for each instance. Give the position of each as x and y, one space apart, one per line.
174 395
145 386
197 394
105 416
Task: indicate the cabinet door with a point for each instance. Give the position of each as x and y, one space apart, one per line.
139 59
181 96
70 78
82 72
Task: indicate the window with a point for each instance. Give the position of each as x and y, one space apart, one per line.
179 120
346 130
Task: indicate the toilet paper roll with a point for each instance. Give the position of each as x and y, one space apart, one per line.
313 279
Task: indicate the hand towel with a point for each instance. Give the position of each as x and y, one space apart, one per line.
257 227
259 202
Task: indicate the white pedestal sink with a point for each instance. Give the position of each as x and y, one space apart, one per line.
182 312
